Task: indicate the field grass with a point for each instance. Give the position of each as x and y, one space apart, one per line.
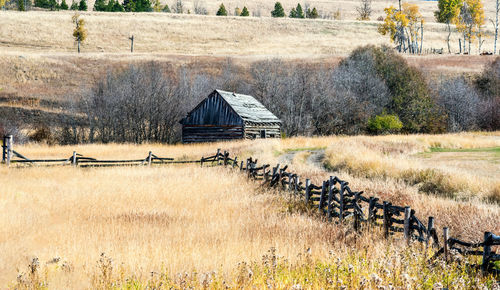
186 226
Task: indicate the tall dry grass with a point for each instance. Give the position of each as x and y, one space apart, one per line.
187 226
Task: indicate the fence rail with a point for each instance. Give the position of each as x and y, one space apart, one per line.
333 199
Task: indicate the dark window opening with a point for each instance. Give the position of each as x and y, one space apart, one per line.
263 134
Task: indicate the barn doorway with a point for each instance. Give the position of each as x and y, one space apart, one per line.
263 134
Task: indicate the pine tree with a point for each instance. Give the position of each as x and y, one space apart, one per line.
245 12
293 13
100 5
166 9
74 5
222 10
312 13
20 5
64 5
299 11
42 3
278 10
143 6
129 5
117 7
83 5
53 5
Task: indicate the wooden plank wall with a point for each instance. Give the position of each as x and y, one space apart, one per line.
210 133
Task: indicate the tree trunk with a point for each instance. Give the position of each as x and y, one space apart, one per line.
496 26
78 45
449 35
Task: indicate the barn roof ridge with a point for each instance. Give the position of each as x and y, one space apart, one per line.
248 107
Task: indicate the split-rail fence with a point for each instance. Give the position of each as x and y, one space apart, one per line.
333 198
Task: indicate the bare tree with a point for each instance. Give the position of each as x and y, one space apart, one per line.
364 9
200 7
497 10
460 101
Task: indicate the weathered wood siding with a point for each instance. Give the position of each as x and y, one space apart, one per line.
210 133
213 111
254 131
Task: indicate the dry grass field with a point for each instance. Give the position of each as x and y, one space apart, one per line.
165 33
187 226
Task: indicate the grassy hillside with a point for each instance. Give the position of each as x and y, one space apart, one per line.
201 35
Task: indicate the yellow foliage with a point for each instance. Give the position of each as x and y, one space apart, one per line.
409 17
79 33
2 3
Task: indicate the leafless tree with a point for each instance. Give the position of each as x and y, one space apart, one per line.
364 9
200 7
460 101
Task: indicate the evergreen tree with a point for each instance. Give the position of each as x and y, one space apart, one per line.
100 5
20 5
166 9
245 12
117 7
64 5
299 11
312 13
293 13
109 6
74 5
278 10
42 3
222 10
53 5
143 6
82 6
129 5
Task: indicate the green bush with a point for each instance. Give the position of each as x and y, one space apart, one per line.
313 14
64 5
166 9
83 5
384 124
245 12
278 10
222 10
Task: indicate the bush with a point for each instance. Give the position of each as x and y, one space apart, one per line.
313 14
64 5
82 6
42 133
278 10
222 10
166 9
245 12
384 124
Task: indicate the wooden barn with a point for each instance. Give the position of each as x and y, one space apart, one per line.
227 116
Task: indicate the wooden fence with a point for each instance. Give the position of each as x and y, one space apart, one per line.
333 198
338 203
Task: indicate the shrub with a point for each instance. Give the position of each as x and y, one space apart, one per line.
74 5
313 14
82 6
166 9
278 10
245 12
100 5
64 5
42 133
222 10
384 124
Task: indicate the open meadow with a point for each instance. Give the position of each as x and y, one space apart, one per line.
186 225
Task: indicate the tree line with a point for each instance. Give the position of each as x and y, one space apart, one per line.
372 91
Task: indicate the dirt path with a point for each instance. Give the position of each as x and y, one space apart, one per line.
315 159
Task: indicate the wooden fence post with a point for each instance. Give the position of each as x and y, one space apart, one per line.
4 149
371 210
201 161
407 224
357 215
486 251
241 165
10 148
430 227
330 199
225 158
290 177
308 190
296 191
446 236
386 219
322 196
341 202
150 158
216 156
235 162
218 159
73 159
246 167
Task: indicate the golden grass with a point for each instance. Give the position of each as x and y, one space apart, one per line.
186 219
37 31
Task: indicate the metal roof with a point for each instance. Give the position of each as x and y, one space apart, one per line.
248 108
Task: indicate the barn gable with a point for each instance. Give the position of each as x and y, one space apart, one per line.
213 110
